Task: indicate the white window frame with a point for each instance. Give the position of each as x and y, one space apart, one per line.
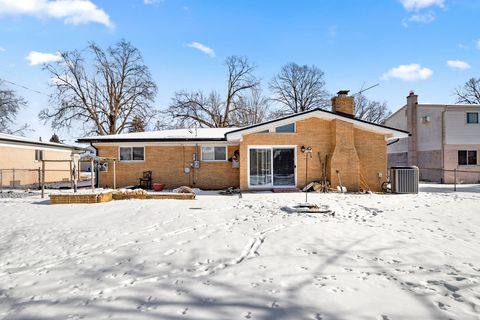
131 147
271 147
284 125
213 146
40 152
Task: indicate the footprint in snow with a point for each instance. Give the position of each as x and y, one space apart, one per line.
169 252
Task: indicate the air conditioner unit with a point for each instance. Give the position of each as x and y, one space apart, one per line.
404 179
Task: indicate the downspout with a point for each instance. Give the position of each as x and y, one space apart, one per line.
443 143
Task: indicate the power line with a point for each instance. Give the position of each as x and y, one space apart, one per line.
24 87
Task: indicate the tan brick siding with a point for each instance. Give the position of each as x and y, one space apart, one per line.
22 158
357 151
167 164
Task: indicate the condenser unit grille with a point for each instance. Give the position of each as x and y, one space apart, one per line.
404 179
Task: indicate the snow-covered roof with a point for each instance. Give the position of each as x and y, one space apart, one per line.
199 134
13 139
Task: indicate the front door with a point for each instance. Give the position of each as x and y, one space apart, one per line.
271 167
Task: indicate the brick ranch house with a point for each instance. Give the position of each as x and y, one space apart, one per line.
270 153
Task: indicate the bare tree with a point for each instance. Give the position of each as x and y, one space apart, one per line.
299 88
104 91
469 93
10 105
251 108
369 110
210 110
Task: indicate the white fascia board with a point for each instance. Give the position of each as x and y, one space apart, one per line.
165 144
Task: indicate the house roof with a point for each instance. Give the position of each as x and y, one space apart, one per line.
324 114
229 134
13 139
199 134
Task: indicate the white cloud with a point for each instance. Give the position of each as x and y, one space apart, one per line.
478 44
36 58
202 48
458 64
151 1
2 49
408 72
421 4
419 18
71 11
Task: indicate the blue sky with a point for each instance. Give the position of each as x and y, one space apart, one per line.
430 46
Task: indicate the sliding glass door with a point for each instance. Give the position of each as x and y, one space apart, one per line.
260 167
284 167
271 167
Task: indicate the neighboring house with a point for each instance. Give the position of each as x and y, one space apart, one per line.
20 160
270 153
444 137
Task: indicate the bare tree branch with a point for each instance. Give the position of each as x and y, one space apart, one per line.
209 110
469 93
299 88
108 93
372 111
10 105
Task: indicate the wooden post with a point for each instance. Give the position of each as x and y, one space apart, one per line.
72 175
114 176
91 173
13 180
39 178
43 179
1 180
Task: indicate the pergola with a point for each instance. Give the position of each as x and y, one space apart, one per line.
75 172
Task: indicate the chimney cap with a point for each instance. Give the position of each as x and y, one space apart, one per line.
343 92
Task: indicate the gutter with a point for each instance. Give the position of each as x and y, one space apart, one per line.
392 142
31 143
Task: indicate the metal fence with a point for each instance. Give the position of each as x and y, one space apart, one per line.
32 178
450 176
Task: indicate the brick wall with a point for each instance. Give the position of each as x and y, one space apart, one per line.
167 164
351 151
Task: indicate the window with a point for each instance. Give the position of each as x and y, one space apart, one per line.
214 153
38 155
288 128
467 157
263 131
472 117
132 154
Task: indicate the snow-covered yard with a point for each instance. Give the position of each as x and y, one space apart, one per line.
220 257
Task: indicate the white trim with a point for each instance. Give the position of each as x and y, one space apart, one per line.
131 161
164 144
213 146
34 147
271 147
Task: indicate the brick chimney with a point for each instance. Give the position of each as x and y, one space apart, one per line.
343 103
